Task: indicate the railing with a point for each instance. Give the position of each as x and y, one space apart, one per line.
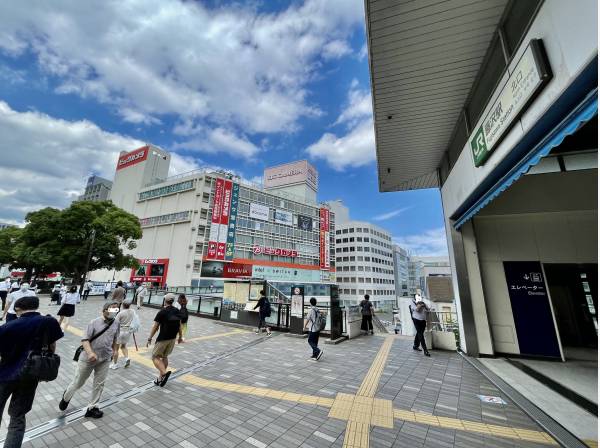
442 321
201 305
379 325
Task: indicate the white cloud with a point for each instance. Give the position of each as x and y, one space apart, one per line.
357 146
147 58
46 161
389 215
215 141
427 244
182 164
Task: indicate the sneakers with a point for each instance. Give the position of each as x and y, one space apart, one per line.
319 355
164 379
94 413
417 349
113 366
269 334
127 362
63 404
312 358
426 354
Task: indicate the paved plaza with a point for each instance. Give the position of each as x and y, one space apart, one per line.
233 388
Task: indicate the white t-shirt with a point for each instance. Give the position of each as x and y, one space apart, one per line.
141 292
107 287
71 298
15 285
88 286
4 285
13 297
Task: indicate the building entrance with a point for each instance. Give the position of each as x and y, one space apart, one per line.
574 294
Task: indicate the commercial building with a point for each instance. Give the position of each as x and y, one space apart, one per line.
401 259
364 261
209 229
416 278
495 103
96 189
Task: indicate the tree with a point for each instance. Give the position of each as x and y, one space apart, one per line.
60 240
9 237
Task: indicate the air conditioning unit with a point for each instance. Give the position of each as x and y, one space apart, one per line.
190 247
193 229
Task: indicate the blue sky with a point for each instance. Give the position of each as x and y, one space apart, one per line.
234 85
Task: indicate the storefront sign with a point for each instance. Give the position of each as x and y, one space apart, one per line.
151 270
224 220
133 157
235 195
283 217
324 239
534 322
530 74
257 250
285 274
305 223
213 238
258 211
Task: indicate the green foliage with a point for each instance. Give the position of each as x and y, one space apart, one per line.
9 237
60 240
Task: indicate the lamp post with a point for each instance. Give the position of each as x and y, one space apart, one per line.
89 257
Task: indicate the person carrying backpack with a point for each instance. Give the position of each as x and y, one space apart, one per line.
315 323
264 311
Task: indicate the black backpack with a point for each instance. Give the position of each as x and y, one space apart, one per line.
265 308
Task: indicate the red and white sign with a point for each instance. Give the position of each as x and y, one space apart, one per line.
152 270
257 250
224 220
324 239
133 157
213 239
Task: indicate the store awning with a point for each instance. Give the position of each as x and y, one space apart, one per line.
583 113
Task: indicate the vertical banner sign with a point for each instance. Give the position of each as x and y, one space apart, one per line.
224 221
324 239
530 305
216 220
235 195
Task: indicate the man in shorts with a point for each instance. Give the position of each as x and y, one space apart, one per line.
168 321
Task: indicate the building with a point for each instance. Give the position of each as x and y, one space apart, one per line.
401 259
96 189
433 266
364 261
515 157
5 225
416 278
495 103
211 229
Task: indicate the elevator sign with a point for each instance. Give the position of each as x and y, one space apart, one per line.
526 80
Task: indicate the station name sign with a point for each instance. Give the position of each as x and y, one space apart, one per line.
525 82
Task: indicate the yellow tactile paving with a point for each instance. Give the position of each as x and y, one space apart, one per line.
357 435
371 380
591 443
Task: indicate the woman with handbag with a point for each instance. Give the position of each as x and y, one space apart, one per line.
25 361
67 309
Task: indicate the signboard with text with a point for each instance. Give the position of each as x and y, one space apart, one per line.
283 217
224 220
257 250
213 239
133 157
258 211
285 274
230 247
526 80
291 173
324 239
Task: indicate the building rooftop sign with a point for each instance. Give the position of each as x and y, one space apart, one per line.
133 157
291 173
526 80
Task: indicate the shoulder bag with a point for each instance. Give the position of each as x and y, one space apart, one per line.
40 365
90 340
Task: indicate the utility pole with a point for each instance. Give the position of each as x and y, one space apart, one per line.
87 263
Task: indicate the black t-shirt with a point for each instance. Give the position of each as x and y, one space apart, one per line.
169 320
183 314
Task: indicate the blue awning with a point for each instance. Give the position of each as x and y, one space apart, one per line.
579 116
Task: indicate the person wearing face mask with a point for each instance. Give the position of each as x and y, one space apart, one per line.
99 342
9 308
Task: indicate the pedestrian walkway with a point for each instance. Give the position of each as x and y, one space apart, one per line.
234 388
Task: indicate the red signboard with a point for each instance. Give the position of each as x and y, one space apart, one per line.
151 270
224 220
133 157
324 239
213 239
235 270
274 251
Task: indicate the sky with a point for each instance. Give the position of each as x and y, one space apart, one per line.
235 85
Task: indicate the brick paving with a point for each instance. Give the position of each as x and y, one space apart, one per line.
187 414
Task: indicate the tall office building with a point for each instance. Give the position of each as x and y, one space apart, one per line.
96 189
401 258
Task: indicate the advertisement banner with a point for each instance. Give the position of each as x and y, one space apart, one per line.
297 295
219 269
305 223
133 157
324 239
286 274
224 220
258 211
230 247
216 219
283 217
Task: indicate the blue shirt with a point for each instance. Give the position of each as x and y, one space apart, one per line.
17 338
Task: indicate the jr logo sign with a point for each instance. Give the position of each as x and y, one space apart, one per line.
479 147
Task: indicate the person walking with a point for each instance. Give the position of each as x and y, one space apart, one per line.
418 311
16 342
168 322
55 294
67 308
9 308
86 290
4 287
183 313
366 309
264 311
98 343
141 292
107 289
119 293
14 287
311 323
124 318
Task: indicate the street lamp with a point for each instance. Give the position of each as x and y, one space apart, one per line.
89 257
